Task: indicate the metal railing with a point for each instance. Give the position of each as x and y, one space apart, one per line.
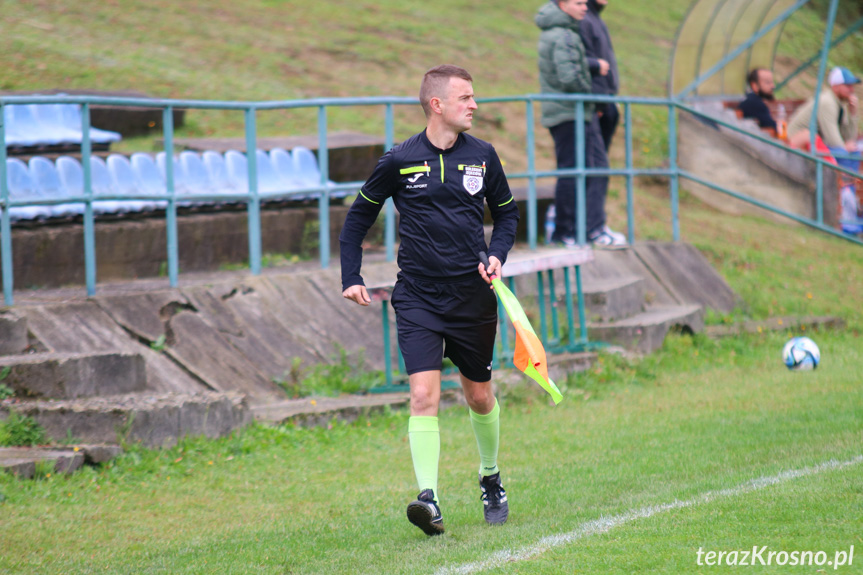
254 197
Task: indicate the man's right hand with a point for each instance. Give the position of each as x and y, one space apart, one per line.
603 67
357 294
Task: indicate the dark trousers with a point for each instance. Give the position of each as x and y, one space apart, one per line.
596 186
608 122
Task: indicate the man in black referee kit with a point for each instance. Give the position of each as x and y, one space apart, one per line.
439 180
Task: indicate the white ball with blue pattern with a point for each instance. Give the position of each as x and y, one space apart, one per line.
801 353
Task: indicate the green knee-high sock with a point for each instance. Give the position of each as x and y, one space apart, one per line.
424 435
487 430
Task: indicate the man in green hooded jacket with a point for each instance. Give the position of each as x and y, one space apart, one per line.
564 69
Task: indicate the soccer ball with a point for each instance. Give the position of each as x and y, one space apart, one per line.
801 353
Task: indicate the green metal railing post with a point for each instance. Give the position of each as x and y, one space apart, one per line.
813 119
552 297
254 207
581 178
674 180
630 196
89 219
389 207
324 198
171 209
6 261
567 286
822 70
582 325
531 181
819 193
388 367
543 325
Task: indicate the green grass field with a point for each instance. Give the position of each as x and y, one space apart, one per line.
644 463
699 417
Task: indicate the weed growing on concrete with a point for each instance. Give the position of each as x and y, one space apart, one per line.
159 344
311 241
6 392
21 430
345 374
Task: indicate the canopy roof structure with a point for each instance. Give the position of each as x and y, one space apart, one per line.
719 41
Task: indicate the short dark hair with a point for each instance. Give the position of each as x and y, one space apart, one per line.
436 81
752 78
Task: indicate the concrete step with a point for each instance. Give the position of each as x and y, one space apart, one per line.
320 411
74 375
13 333
614 298
153 420
21 461
646 331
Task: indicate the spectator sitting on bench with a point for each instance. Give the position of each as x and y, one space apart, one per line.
760 90
837 119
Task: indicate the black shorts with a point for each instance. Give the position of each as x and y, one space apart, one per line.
455 319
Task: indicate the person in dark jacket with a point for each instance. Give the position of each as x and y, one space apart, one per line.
603 66
761 87
440 181
564 69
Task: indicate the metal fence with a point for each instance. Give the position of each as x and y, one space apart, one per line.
254 197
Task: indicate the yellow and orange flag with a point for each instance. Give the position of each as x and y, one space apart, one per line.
529 352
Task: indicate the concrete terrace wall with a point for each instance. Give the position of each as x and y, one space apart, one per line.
53 255
230 333
744 165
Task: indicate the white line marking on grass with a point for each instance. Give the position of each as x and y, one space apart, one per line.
606 524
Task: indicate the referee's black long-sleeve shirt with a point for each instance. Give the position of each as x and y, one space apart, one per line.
439 195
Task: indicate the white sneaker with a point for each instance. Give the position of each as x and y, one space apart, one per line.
568 242
607 238
619 238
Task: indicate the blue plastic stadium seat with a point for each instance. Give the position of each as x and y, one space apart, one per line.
308 172
197 179
23 129
48 186
50 118
217 170
238 171
268 178
69 116
21 188
72 178
65 121
150 181
125 183
180 186
102 185
283 163
30 125
16 135
285 168
306 167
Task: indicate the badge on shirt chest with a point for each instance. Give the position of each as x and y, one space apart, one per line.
472 179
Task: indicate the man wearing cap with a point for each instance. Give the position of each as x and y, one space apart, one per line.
836 116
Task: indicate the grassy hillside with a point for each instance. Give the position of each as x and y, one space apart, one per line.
270 49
